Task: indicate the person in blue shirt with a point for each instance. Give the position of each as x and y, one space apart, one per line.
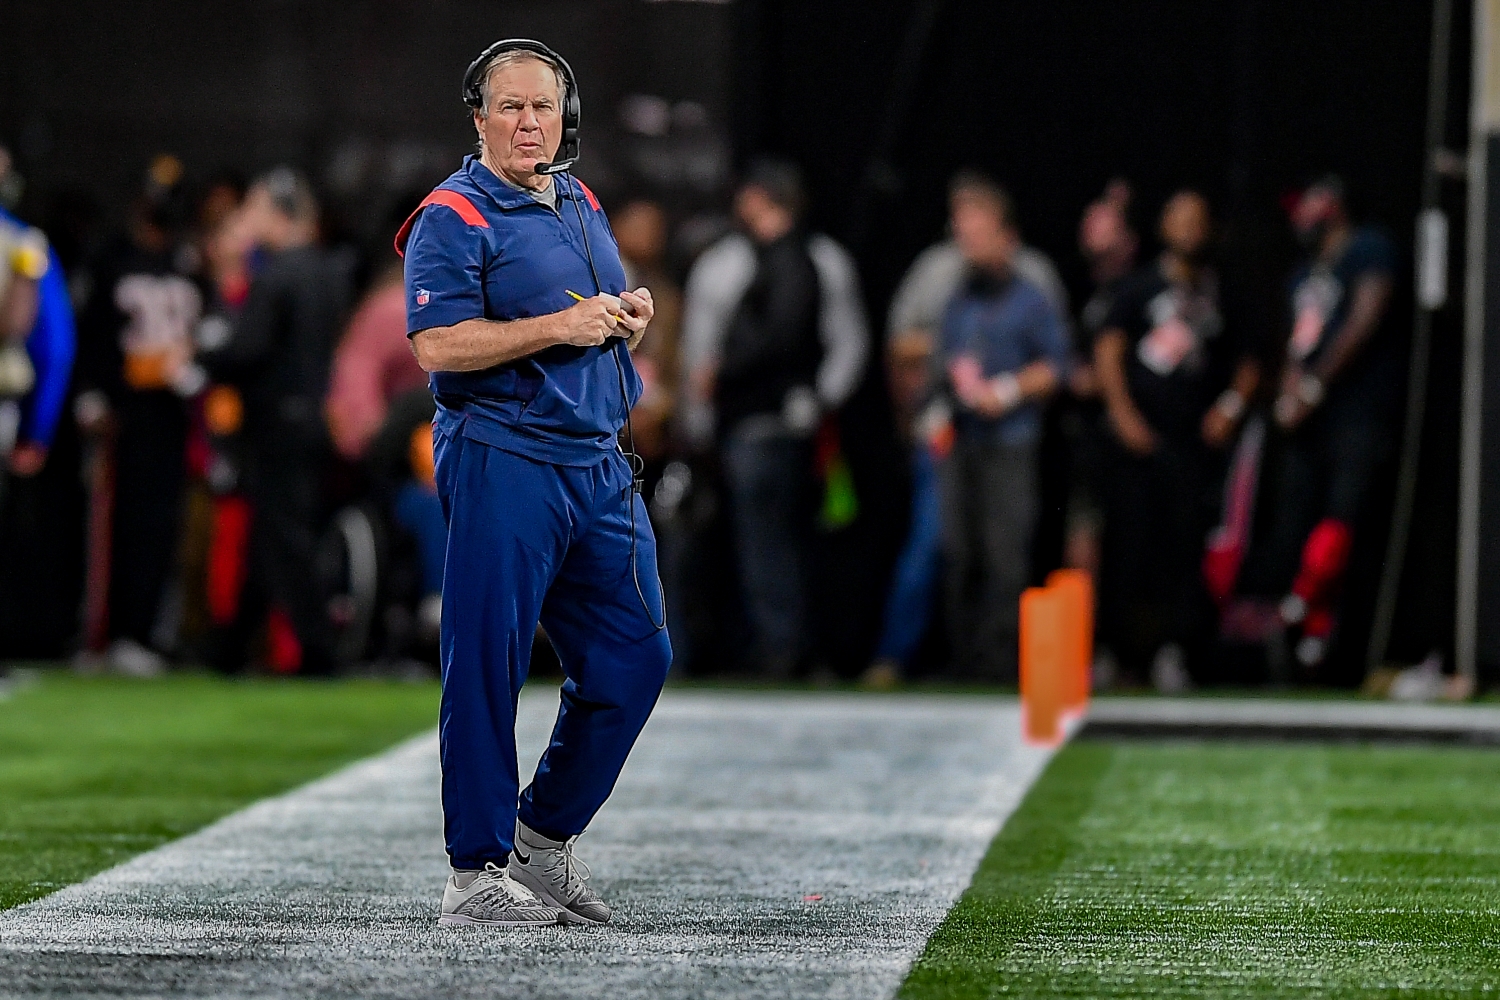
1003 349
44 317
516 305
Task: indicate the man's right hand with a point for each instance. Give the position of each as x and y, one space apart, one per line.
590 322
1133 431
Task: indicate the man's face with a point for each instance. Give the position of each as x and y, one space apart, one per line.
1103 231
641 231
524 126
1185 224
1315 210
761 215
983 237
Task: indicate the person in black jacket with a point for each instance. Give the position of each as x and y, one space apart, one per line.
131 403
278 353
767 410
1176 374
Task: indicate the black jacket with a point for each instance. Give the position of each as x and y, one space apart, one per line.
281 348
773 342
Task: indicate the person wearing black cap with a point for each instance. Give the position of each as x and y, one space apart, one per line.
1340 390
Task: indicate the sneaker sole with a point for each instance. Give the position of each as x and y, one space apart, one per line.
565 915
459 919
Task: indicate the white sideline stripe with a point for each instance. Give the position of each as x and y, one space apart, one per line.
1394 716
733 808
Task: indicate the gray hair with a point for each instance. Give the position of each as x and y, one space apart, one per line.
509 57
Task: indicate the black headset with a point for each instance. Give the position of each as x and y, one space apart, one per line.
572 106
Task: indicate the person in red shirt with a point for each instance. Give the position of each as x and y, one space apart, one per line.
372 366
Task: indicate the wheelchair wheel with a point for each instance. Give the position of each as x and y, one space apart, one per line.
349 567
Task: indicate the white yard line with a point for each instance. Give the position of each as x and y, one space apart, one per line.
734 811
1336 718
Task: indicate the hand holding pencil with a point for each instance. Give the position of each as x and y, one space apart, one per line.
630 311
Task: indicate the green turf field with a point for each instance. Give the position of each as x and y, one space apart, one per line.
1235 870
94 770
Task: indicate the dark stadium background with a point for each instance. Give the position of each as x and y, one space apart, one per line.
880 101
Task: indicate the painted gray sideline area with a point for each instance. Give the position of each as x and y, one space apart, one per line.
756 846
1276 718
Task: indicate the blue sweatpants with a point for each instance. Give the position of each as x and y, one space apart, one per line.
530 542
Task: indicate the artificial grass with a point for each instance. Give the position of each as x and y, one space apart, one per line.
95 770
1235 870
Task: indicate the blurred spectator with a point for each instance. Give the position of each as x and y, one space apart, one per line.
135 328
1004 350
1108 245
912 591
213 558
37 344
277 353
400 459
372 366
916 313
23 264
1340 390
774 338
941 270
641 230
1176 380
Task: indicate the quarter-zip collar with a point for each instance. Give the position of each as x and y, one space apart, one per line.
508 198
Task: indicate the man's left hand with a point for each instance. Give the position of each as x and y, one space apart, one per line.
636 316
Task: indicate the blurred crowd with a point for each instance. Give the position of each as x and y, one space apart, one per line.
252 453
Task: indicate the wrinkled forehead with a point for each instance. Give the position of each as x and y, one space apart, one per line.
524 76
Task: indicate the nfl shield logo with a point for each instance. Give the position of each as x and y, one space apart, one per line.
423 297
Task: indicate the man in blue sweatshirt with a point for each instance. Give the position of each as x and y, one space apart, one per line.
1003 350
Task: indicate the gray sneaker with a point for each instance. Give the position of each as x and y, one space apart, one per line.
493 898
548 868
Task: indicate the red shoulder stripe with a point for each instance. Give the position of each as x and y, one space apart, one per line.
593 202
451 199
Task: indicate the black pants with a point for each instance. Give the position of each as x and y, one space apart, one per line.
771 503
149 476
1327 469
1158 512
989 504
285 491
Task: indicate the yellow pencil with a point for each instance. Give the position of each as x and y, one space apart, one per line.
580 299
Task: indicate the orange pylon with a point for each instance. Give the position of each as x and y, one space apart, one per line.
1044 656
1057 639
1077 588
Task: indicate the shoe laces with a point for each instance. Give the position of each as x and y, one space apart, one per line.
575 870
498 882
